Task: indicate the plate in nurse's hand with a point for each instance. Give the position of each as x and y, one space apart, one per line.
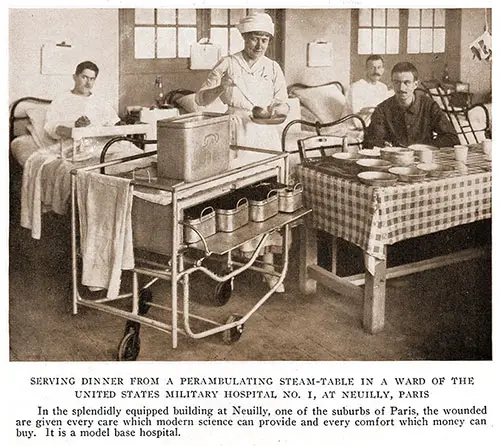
275 120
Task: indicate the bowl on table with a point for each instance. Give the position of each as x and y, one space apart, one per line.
369 153
373 178
408 174
345 160
398 156
436 170
424 152
373 164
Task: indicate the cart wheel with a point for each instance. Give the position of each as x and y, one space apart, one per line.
132 327
129 347
145 296
223 292
232 334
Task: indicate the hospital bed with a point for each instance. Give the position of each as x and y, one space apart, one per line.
44 165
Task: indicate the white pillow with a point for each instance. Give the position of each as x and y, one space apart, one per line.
37 122
326 102
23 147
188 103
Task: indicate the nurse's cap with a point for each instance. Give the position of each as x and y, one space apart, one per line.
257 21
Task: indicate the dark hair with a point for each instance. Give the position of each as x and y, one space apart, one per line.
405 67
87 65
259 33
373 58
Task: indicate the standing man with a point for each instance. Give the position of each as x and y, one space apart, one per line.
364 95
409 118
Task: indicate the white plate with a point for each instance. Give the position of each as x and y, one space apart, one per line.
275 120
435 170
408 174
377 178
373 164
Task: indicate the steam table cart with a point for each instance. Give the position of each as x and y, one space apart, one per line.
166 238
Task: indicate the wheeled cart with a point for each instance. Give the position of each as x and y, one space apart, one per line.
160 229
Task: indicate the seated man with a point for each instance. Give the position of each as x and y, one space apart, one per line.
409 118
364 95
79 107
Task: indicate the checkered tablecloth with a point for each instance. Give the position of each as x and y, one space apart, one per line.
372 217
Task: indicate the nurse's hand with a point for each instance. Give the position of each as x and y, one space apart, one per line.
226 82
82 121
281 108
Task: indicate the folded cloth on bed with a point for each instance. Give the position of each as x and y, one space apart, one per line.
105 212
31 192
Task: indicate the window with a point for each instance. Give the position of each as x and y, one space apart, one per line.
164 33
169 33
378 31
223 31
426 31
159 40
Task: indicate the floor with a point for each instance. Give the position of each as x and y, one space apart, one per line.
443 314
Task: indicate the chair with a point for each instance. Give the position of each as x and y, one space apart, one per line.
471 121
322 143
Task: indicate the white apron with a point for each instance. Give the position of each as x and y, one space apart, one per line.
251 90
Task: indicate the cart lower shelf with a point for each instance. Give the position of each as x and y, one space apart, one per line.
222 242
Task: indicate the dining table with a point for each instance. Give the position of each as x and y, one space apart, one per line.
372 217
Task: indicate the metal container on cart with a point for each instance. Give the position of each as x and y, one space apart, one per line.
201 219
263 201
193 146
231 212
153 225
289 197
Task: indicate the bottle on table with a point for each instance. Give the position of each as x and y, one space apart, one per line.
160 94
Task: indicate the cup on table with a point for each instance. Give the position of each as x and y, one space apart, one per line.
487 148
425 156
461 153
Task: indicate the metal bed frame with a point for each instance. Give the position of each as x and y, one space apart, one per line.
181 264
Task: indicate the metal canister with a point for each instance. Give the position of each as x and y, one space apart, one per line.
231 213
263 207
290 198
204 223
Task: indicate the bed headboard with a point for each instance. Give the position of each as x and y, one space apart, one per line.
300 86
18 119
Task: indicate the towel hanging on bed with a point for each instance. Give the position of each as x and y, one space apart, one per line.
104 206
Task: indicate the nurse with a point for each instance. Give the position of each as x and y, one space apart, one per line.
248 79
245 80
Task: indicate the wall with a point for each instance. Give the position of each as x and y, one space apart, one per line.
333 25
476 73
95 32
92 32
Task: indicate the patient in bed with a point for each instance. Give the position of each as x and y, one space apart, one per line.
364 95
79 107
